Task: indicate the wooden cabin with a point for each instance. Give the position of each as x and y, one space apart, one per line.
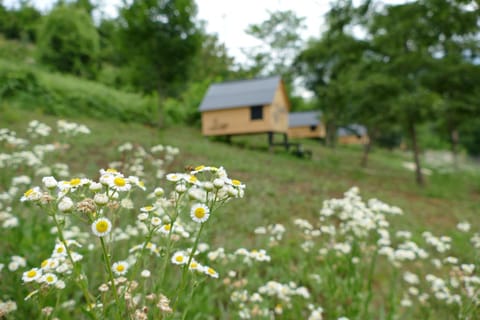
245 107
352 134
305 125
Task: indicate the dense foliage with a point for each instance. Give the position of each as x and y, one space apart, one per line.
69 42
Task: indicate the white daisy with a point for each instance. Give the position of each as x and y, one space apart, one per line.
147 208
199 212
59 251
95 186
145 273
159 192
32 275
120 268
165 229
119 183
33 194
194 265
101 227
174 177
179 258
49 278
211 272
65 205
49 182
101 199
156 221
142 216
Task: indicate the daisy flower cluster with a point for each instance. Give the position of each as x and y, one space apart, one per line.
137 160
9 139
353 237
170 226
269 300
38 129
274 231
72 128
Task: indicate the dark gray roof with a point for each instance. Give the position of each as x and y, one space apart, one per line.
301 119
355 129
241 93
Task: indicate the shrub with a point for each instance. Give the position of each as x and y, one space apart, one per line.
69 42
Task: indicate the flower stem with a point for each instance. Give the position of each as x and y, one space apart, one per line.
80 283
110 276
182 285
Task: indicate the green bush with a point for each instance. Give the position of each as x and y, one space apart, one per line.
68 96
69 42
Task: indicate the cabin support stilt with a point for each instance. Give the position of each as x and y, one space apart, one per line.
270 141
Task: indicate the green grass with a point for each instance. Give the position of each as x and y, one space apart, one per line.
281 181
280 187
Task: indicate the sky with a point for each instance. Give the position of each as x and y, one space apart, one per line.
229 18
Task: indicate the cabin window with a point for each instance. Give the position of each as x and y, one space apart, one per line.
313 127
256 112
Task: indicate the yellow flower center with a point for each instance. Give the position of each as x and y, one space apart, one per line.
49 278
192 179
28 192
179 258
59 249
199 167
111 170
236 182
119 181
31 273
141 183
167 227
149 245
199 212
75 182
44 263
193 265
148 208
101 226
211 271
120 267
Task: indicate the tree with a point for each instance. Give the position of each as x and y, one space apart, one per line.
456 76
212 61
281 40
427 44
373 93
69 42
326 66
20 23
159 39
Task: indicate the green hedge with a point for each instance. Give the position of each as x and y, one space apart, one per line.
68 96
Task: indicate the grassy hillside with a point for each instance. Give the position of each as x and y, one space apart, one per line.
279 189
283 184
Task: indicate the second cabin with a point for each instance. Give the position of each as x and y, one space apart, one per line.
245 107
306 124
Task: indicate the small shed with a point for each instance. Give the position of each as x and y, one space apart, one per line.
244 107
352 134
305 124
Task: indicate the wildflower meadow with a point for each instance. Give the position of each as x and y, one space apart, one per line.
132 237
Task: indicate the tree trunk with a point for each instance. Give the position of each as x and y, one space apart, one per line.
416 156
368 147
454 146
366 152
331 134
161 118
